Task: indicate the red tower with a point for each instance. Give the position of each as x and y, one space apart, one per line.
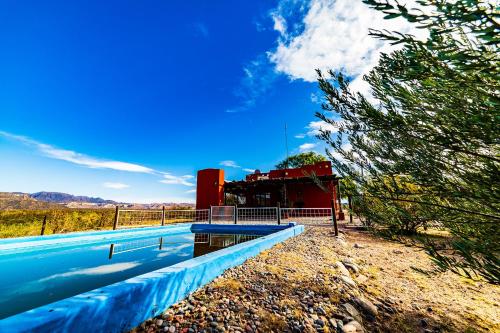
209 188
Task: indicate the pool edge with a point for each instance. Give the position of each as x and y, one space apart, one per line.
124 305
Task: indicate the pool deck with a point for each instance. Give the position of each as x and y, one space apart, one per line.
122 306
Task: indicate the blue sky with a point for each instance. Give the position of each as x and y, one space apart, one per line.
126 100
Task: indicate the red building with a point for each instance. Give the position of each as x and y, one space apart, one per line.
311 186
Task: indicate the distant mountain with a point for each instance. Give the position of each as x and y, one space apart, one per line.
23 201
64 198
55 200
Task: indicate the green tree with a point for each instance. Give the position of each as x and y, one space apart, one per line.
425 146
299 160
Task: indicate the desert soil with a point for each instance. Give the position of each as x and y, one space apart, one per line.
316 282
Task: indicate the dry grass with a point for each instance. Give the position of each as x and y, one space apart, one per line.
456 303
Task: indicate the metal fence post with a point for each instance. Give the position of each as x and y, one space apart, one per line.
339 199
163 215
111 251
210 215
44 223
235 214
334 218
349 199
278 209
115 222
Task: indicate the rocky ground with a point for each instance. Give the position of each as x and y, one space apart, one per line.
318 283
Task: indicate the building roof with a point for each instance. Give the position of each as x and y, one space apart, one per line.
242 186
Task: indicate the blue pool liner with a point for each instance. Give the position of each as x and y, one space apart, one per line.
10 246
124 305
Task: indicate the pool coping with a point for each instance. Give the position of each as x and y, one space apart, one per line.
39 243
124 305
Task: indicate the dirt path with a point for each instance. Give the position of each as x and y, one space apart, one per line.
317 283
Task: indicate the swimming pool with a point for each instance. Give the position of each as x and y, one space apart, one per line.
40 273
117 279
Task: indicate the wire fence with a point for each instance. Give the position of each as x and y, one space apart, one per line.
260 215
129 218
137 245
223 214
186 215
309 216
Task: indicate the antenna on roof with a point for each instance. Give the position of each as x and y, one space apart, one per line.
286 145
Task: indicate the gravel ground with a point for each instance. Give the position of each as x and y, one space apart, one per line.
318 283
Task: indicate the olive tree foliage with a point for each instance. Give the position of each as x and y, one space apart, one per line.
299 160
424 144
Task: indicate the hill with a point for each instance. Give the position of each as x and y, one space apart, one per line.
54 200
14 200
64 198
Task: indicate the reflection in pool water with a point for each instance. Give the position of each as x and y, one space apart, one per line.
39 276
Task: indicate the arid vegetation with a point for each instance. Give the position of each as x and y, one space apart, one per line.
25 222
421 147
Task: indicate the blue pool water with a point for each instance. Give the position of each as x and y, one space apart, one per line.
38 272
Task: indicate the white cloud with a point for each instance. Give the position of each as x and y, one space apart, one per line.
335 36
336 155
230 164
99 270
191 191
315 127
300 136
258 79
279 23
116 186
307 147
77 158
177 180
94 162
315 98
233 164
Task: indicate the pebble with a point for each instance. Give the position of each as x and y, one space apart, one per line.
366 306
342 242
352 311
352 267
342 269
347 280
333 323
361 278
352 327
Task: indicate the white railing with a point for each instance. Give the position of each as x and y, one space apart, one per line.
187 216
259 215
127 218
